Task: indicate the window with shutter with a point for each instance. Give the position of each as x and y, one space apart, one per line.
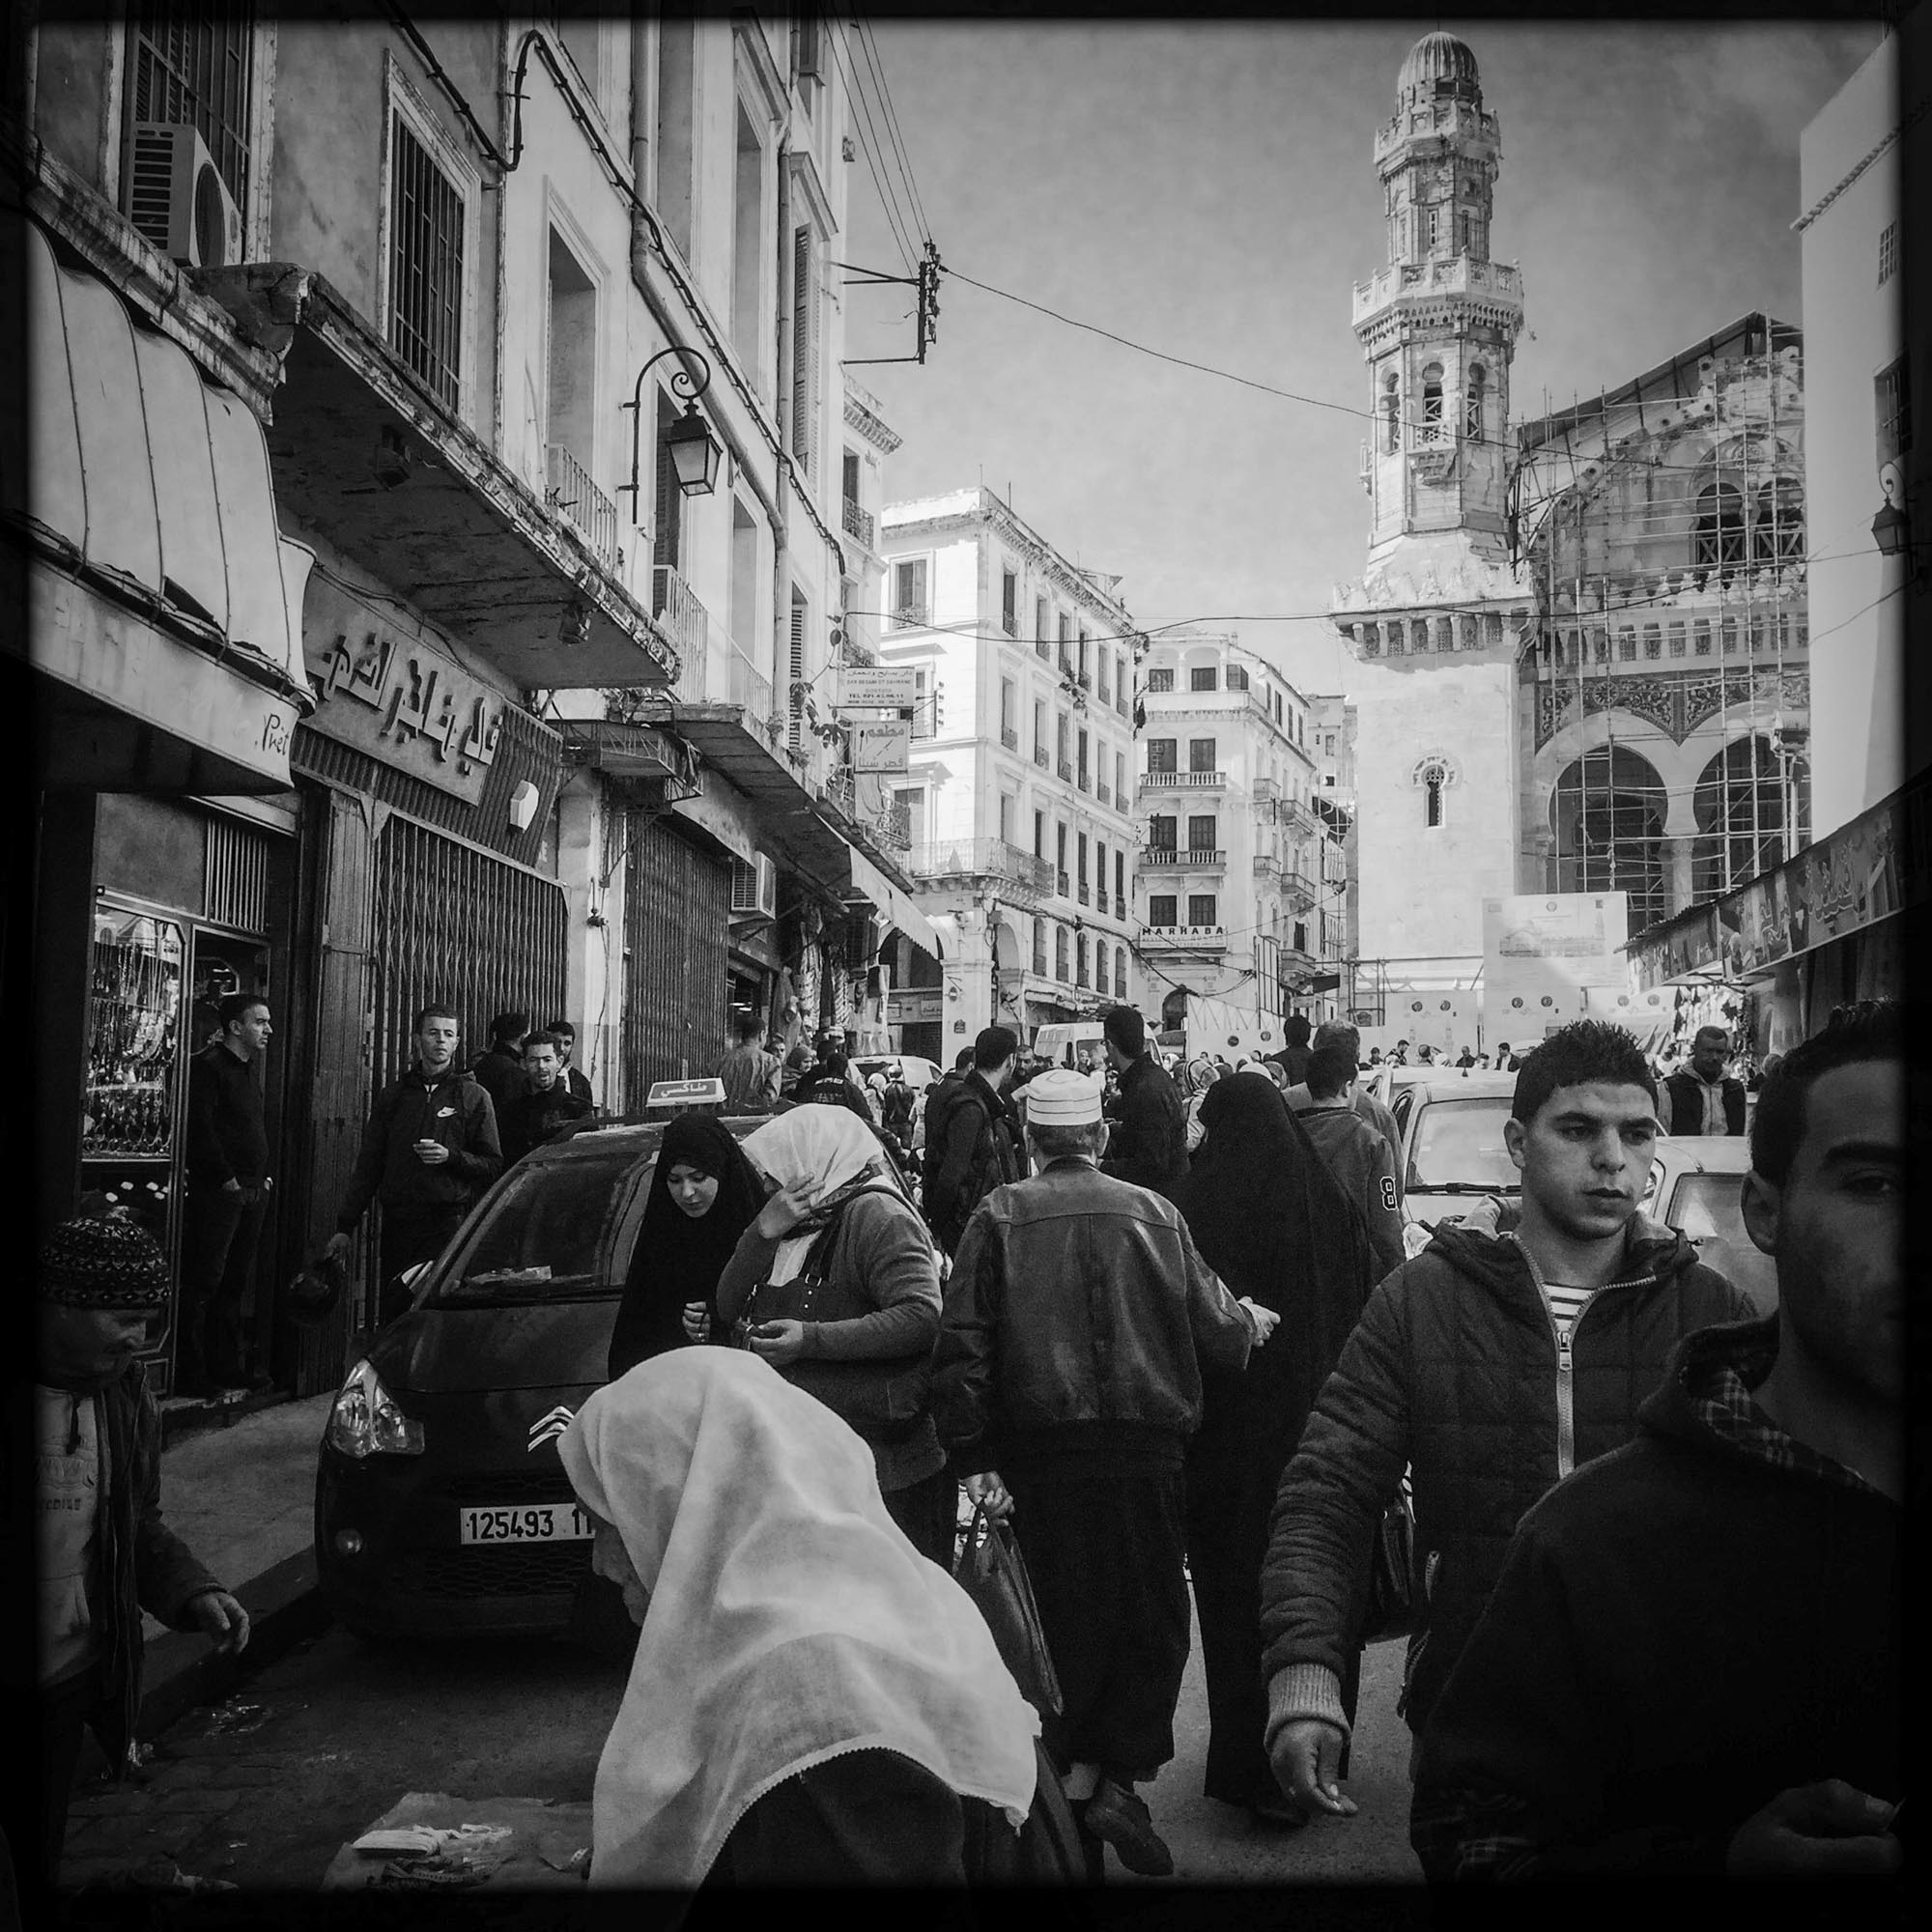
795 723
805 351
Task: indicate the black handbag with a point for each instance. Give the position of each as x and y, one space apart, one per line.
1396 1600
993 1573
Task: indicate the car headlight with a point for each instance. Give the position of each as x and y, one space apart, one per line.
366 1420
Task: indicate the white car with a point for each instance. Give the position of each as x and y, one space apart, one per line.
1697 1185
1451 1125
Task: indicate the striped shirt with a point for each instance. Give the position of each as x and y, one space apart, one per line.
1565 1303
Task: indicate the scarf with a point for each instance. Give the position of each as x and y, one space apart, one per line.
826 1155
790 1622
677 1258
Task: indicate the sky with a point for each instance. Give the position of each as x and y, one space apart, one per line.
1209 189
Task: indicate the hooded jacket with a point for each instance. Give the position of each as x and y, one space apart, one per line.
1455 1370
453 1108
1702 1619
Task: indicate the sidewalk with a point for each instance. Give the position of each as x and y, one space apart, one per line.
242 1495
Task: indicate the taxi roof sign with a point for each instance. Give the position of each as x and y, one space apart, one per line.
686 1093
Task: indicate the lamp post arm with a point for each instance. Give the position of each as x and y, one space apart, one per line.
683 385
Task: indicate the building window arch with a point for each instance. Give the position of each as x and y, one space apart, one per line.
1777 531
1608 812
1717 538
1391 414
1431 775
1472 401
1432 396
1752 809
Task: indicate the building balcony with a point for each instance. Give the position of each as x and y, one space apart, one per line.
1063 884
1298 886
1297 817
1183 782
1084 893
1084 780
1042 650
1040 758
1196 858
677 608
1265 865
857 522
1020 874
1067 771
1120 703
1496 281
1119 905
1264 791
1103 793
1191 938
1009 738
577 499
1010 625
1105 694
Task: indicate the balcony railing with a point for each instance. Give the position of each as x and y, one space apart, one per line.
1120 703
1264 791
1009 738
982 859
1009 623
1119 905
582 505
1042 650
1291 811
858 523
1084 893
1085 680
1063 884
1102 792
1165 859
1266 863
675 605
1084 780
1298 882
1183 781
1040 756
1067 771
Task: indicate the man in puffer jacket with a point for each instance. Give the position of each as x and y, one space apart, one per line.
1490 1365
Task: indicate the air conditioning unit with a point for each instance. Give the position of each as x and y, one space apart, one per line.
754 888
176 199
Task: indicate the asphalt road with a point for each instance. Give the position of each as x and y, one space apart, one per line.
262 1790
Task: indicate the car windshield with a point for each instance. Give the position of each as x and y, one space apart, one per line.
1457 1144
547 1234
1709 1209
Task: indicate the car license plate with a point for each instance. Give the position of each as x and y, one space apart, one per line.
523 1523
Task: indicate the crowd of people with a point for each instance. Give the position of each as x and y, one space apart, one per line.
1169 1333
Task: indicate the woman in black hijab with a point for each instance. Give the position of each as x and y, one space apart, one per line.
705 1194
1271 1220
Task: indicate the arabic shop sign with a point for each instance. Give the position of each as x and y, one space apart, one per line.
395 697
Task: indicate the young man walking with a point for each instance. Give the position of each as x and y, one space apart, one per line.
1702 1097
1695 1658
1149 1147
1066 1380
547 1106
1490 1365
972 1146
1354 1152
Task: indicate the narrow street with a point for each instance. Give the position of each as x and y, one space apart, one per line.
262 1790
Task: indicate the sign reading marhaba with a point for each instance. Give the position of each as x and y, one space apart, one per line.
1537 943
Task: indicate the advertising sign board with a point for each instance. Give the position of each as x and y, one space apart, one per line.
881 744
876 687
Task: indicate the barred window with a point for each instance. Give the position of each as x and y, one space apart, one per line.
426 249
1160 680
193 66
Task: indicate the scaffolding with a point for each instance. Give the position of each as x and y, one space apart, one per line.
1666 551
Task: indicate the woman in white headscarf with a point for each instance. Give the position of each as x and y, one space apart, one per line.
836 1285
810 1701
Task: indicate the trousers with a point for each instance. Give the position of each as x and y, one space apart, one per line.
220 1232
927 1511
407 1239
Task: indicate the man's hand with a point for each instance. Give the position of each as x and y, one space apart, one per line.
335 1248
697 1321
1816 1830
1264 1320
1306 1755
987 1487
781 1215
218 1615
431 1154
778 1342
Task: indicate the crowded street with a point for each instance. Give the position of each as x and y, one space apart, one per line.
749 1170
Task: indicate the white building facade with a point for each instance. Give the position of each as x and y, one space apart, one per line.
1228 874
1017 794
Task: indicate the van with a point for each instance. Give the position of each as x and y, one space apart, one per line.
1071 1043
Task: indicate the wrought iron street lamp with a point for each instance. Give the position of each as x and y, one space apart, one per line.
1891 530
693 450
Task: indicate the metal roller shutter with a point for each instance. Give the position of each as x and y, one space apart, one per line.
676 921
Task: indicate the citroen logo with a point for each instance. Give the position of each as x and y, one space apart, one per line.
548 1428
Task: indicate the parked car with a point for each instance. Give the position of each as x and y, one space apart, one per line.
1696 1183
1451 1125
441 1505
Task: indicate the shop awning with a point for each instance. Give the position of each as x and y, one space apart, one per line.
158 585
894 906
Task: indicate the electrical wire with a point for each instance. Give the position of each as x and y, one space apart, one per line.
869 141
868 45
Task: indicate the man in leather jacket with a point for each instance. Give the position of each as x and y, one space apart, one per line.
1066 1380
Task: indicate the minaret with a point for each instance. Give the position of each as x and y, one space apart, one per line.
1438 619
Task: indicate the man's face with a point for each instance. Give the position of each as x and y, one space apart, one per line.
1708 1054
1835 1230
80 1344
436 1043
1586 1156
251 1033
565 1043
543 1066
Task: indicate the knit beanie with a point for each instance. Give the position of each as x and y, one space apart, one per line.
107 1265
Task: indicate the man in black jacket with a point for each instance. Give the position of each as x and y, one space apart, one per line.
1694 1659
102 1554
228 1183
573 1075
1701 1098
973 1146
430 1149
1149 1148
499 1070
1490 1365
1067 1380
548 1105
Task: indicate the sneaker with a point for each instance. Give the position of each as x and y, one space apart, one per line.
1118 1816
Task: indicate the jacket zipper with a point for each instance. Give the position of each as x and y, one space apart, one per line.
1566 1390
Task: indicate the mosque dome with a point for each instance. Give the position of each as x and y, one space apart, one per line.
1438 64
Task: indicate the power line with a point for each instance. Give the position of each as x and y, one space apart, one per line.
869 46
869 140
